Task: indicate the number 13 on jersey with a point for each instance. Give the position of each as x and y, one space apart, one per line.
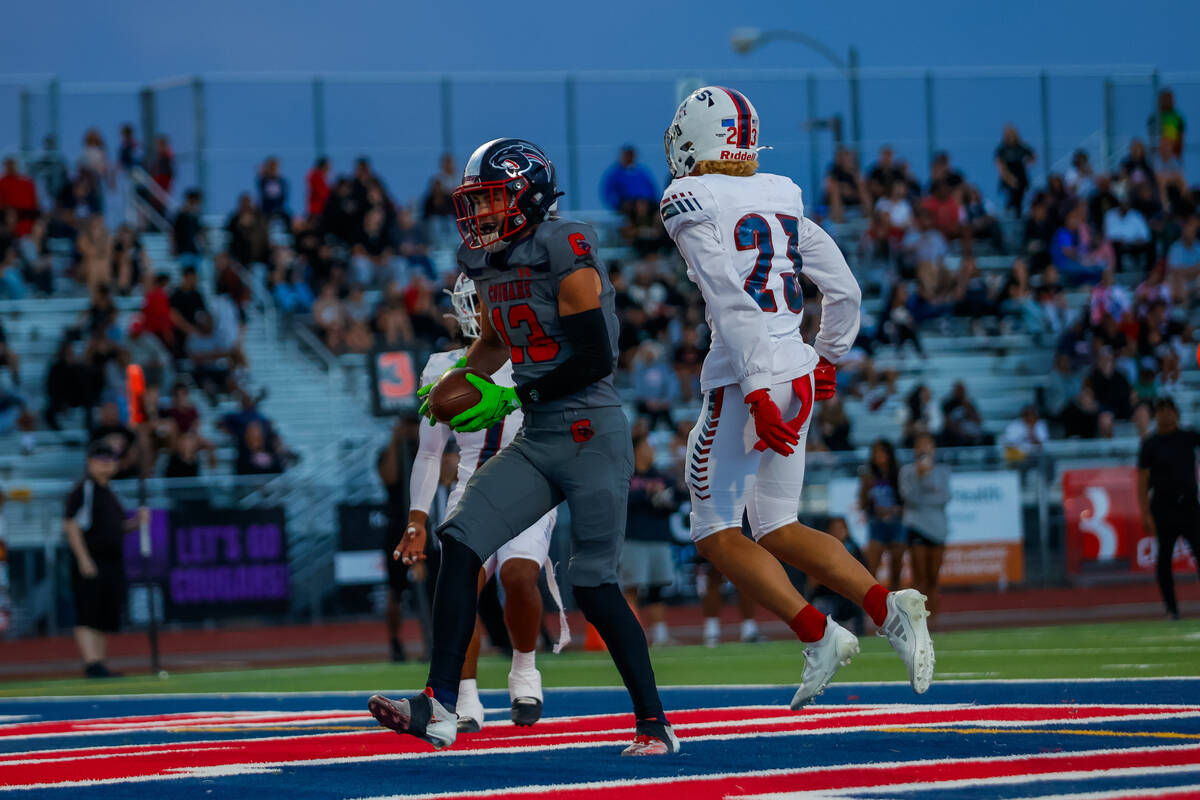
753 232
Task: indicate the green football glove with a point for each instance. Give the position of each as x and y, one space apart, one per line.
496 404
424 391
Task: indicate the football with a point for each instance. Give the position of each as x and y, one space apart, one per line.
454 394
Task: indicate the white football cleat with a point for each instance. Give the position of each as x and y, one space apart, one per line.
908 633
822 660
525 692
470 712
421 716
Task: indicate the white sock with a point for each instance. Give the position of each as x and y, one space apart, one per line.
712 628
749 629
524 661
661 634
468 689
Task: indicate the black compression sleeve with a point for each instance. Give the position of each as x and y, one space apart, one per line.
590 360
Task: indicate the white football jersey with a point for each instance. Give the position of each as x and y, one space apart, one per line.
473 448
746 241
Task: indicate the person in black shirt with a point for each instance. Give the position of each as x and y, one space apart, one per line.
647 563
187 233
1167 492
95 524
1012 156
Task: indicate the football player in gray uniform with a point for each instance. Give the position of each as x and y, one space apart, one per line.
546 303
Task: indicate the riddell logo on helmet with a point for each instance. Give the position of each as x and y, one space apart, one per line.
742 155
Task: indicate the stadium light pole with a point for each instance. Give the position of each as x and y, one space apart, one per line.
744 40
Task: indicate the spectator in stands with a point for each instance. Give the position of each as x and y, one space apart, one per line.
647 562
826 600
919 414
317 184
896 324
1060 387
687 360
1135 168
95 526
427 322
1013 157
129 156
249 238
655 387
186 305
898 209
1070 251
979 220
187 233
626 181
37 263
412 244
884 174
976 297
327 317
945 211
119 438
923 244
50 170
940 169
93 160
156 312
1040 227
1126 229
95 247
1112 388
18 196
130 264
1052 299
1079 177
643 229
393 328
11 285
962 424
161 166
1080 418
1167 494
273 193
255 456
1108 298
833 426
1183 256
184 457
925 490
1026 435
1158 333
66 383
879 499
1018 301
292 294
845 189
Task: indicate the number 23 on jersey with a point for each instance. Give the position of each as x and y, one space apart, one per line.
753 232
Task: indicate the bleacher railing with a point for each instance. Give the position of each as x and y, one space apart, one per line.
221 126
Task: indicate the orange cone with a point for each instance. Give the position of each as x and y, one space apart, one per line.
592 640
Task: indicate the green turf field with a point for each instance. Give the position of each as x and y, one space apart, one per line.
1132 649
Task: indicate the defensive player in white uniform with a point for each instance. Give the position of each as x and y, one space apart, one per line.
746 241
519 561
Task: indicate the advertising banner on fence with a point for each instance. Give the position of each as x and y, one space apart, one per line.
226 561
1104 524
984 545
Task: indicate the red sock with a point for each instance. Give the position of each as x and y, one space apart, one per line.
809 624
875 604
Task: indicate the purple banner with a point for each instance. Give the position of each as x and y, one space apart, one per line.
139 569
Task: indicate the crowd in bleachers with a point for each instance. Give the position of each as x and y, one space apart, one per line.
363 270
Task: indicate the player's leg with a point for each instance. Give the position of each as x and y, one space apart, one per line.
711 603
594 476
504 497
468 706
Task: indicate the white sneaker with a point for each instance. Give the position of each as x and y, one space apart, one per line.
822 660
420 715
905 628
470 712
525 692
652 739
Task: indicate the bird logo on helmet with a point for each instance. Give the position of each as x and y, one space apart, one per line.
712 123
508 186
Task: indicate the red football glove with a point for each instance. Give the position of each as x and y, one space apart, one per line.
769 425
824 379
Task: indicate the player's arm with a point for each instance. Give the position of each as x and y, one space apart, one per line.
489 352
87 567
422 486
584 327
841 296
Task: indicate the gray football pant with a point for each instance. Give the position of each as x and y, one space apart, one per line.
584 457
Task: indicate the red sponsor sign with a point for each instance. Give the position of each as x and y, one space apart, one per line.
1104 523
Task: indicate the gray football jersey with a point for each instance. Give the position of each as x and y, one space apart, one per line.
520 287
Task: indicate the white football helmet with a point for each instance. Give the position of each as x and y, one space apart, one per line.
466 307
711 124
